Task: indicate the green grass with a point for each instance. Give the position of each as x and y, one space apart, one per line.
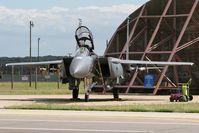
48 88
173 107
44 88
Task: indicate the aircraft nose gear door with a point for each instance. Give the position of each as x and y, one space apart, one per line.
84 38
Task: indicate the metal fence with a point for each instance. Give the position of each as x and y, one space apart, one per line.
25 78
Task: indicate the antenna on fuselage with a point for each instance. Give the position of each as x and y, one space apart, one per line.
84 37
80 22
79 25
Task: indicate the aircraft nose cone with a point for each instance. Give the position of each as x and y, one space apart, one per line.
80 67
76 71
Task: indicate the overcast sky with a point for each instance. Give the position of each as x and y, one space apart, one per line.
55 22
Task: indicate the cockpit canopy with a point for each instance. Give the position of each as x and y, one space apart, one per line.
84 38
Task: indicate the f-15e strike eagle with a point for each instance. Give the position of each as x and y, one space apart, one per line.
93 70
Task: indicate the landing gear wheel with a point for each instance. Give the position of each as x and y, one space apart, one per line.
75 94
183 99
190 97
86 97
171 99
116 94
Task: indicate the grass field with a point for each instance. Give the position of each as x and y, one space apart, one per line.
174 107
50 88
44 88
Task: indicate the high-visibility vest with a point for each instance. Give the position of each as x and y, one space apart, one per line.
184 89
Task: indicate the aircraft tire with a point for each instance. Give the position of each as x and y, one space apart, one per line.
171 99
183 99
75 93
190 97
115 93
86 97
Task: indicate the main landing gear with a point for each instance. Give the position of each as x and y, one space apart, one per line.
86 97
116 94
76 93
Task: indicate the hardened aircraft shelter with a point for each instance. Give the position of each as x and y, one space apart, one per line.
160 30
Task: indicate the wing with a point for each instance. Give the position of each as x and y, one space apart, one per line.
159 63
35 63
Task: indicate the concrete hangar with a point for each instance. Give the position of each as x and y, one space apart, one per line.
160 30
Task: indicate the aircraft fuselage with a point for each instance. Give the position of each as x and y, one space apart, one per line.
82 64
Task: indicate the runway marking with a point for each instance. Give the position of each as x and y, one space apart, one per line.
75 130
110 122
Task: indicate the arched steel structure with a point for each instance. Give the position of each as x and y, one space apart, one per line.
164 30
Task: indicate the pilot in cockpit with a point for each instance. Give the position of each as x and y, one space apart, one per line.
84 38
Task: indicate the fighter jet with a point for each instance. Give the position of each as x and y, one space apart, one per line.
94 70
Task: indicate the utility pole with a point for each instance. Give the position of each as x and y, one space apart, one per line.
38 48
30 78
36 70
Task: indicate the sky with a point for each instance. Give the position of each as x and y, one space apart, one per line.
55 22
